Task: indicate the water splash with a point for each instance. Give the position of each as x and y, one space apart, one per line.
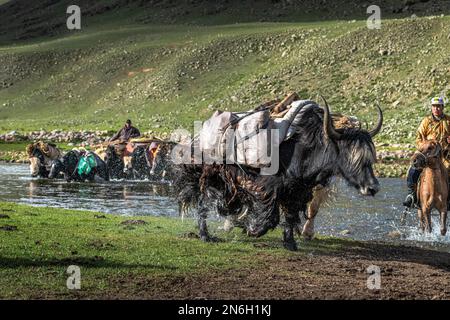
413 233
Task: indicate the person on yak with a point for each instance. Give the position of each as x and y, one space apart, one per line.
126 133
435 126
122 136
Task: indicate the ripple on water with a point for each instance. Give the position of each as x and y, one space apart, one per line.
349 215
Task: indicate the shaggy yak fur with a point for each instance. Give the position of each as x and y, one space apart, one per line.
315 154
114 163
139 165
68 166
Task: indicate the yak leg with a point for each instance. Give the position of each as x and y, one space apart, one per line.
203 228
292 221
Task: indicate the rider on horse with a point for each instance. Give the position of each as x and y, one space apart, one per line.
435 126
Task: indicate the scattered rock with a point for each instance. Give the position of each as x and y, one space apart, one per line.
133 222
345 232
190 235
395 234
8 228
100 216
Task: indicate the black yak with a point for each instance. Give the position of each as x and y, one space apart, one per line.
315 154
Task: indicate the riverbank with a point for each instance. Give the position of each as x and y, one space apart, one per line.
161 258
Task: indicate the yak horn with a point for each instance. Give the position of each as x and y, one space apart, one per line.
328 128
377 129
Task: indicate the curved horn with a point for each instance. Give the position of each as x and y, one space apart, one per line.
377 129
328 128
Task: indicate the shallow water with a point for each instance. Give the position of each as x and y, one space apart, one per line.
349 215
117 197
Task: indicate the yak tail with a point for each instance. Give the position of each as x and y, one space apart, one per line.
187 187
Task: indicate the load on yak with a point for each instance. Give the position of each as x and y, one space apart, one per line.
132 159
309 150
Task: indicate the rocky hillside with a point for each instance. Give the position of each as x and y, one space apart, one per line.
167 63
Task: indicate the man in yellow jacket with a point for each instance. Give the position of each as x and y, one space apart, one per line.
435 126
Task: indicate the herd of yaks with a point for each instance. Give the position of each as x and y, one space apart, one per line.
144 159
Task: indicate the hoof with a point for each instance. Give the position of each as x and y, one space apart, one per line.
291 246
443 232
209 239
308 230
308 236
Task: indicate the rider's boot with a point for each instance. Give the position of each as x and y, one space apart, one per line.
411 197
411 181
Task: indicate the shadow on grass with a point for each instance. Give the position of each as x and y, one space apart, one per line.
93 262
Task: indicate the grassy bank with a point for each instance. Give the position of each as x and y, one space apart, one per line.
44 242
161 258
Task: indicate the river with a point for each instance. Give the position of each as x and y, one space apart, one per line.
349 215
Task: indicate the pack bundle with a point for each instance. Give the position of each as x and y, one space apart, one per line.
250 138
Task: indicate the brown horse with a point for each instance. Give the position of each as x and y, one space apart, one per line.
432 190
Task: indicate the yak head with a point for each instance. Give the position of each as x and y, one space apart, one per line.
356 153
37 163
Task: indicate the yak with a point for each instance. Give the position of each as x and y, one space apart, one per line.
68 165
114 163
310 158
41 155
139 164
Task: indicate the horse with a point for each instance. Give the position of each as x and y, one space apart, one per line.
432 189
41 155
69 164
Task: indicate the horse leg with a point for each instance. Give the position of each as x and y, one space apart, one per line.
427 218
421 219
442 207
443 220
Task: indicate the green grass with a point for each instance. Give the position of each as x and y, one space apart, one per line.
35 257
